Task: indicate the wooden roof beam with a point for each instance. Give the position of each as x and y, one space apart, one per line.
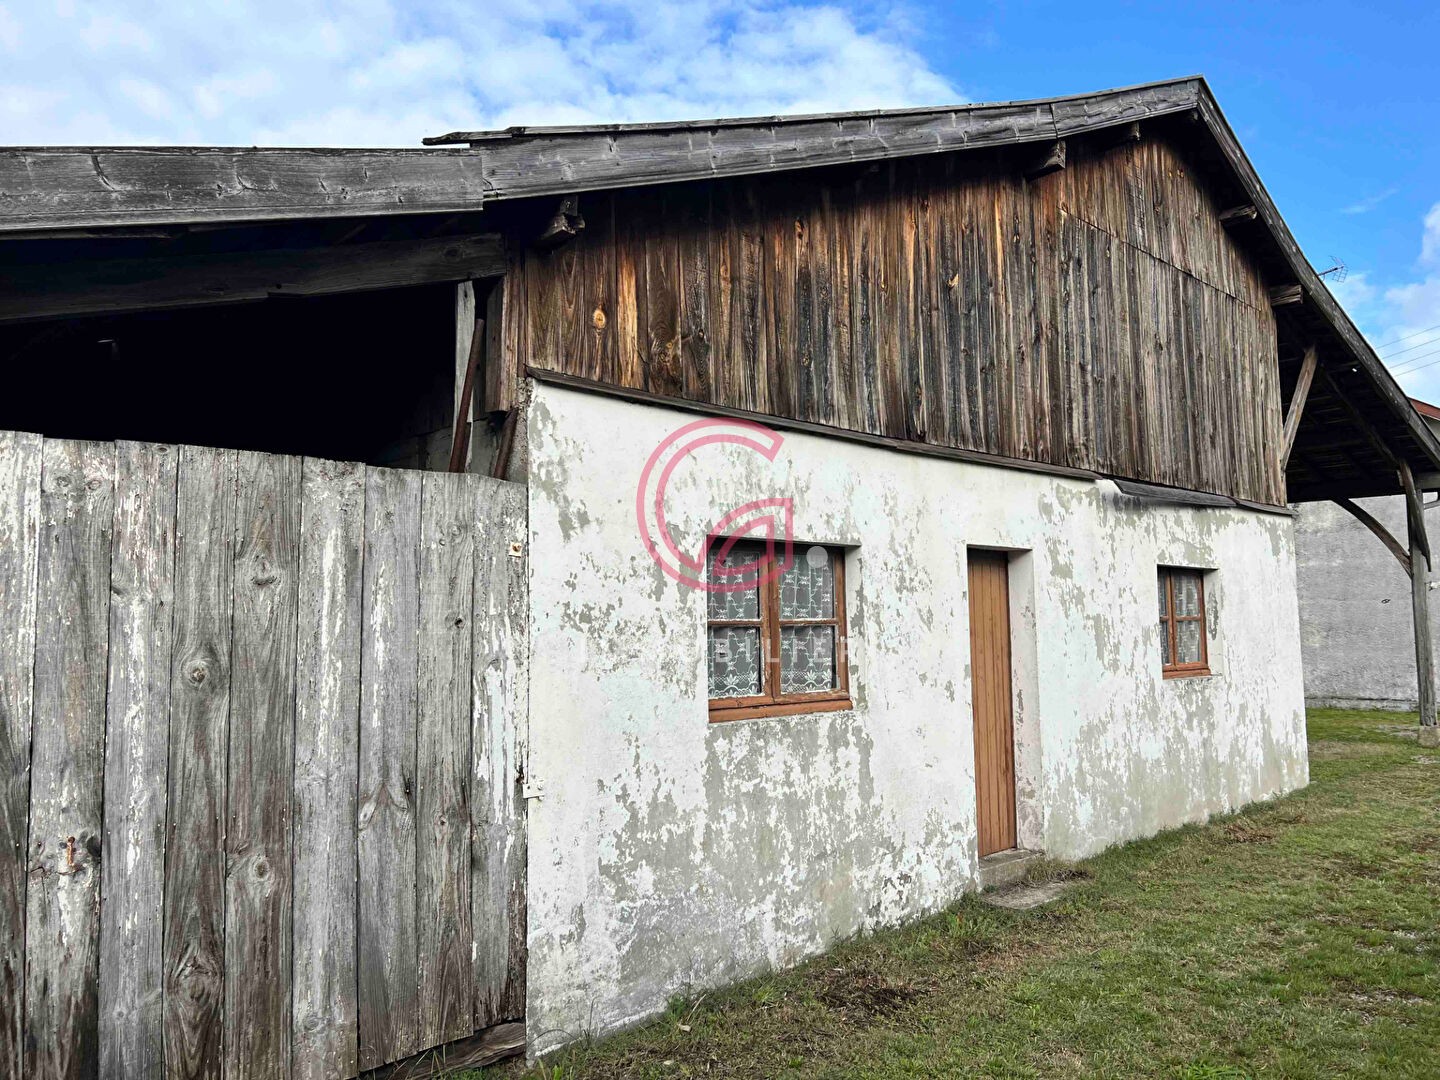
29 292
564 225
1238 215
1051 158
1358 419
1283 295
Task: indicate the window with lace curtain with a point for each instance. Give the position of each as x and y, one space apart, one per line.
1182 622
777 648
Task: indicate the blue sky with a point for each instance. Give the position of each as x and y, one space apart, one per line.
1338 106
1335 103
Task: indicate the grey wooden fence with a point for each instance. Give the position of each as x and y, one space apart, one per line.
260 742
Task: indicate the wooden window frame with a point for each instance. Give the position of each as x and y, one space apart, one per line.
771 702
1168 621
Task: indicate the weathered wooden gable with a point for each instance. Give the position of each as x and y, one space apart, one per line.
1098 317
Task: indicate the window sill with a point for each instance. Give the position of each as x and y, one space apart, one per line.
1189 673
779 708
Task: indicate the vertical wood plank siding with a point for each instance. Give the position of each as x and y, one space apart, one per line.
442 765
1099 317
72 624
261 767
19 552
388 701
499 707
137 740
327 725
200 683
184 637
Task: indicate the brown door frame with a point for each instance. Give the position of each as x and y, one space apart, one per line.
992 698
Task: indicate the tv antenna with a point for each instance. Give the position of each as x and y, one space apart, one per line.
1338 271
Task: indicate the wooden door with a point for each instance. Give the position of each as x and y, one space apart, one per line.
990 697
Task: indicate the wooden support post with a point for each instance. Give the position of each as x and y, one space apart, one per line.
1417 562
497 391
1424 646
463 412
501 465
1420 608
1297 403
1414 509
465 406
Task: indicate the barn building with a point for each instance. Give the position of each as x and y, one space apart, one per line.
454 599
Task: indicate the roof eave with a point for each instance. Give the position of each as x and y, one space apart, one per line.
120 187
48 191
1312 285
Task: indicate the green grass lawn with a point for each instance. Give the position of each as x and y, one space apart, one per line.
1298 938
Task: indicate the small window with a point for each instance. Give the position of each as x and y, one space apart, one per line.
1182 622
776 648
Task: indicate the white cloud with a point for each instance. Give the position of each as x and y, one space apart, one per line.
1430 244
1402 317
387 72
1370 202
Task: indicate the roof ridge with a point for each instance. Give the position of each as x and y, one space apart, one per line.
781 119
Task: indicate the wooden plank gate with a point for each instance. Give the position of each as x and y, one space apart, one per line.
261 743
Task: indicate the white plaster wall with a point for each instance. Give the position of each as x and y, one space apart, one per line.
668 854
1357 630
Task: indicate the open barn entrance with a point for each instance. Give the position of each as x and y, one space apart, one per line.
289 375
260 701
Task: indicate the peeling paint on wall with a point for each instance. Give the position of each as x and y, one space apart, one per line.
669 854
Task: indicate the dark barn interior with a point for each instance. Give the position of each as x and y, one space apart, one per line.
282 375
